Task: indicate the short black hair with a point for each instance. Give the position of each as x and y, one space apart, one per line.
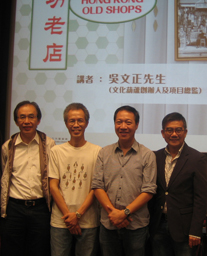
174 116
76 106
23 103
128 109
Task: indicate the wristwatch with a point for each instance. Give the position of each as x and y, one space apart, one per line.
78 215
127 211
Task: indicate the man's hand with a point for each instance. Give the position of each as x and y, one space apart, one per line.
193 241
123 224
118 218
70 219
75 230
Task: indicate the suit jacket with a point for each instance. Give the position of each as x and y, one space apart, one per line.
186 194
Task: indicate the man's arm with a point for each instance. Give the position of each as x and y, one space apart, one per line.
140 201
98 183
104 200
87 203
4 156
59 200
148 188
200 202
117 217
71 218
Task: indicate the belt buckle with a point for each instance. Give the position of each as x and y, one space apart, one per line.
29 203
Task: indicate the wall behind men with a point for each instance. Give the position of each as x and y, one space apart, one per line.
6 8
104 66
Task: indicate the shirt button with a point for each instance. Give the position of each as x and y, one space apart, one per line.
166 193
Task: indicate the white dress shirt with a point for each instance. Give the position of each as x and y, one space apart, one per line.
26 175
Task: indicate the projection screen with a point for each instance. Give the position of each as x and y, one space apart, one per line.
107 53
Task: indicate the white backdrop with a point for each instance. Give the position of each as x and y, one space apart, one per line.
104 66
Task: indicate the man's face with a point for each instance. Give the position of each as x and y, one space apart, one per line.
125 126
27 120
76 123
174 134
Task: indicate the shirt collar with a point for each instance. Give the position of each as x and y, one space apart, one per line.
19 139
179 151
135 146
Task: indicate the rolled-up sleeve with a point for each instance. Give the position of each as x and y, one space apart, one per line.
149 173
98 177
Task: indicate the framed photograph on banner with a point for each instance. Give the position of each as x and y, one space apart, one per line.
190 30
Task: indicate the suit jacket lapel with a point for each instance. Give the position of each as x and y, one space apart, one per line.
179 165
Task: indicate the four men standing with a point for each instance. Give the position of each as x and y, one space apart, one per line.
124 183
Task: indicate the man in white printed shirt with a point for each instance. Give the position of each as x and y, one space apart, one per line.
25 200
75 215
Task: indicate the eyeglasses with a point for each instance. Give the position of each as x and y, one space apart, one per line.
79 122
30 117
178 130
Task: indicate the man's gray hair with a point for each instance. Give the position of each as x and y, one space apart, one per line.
76 106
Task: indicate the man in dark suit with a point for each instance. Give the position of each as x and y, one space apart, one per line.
179 207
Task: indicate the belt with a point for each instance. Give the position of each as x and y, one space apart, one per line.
28 203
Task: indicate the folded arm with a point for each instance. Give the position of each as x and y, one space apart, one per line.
73 226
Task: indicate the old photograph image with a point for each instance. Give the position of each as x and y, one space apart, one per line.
190 29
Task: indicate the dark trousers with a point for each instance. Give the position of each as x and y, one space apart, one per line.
164 245
26 230
123 241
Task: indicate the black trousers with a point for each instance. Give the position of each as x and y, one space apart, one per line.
26 230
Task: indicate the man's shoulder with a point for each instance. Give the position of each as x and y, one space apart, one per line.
159 151
60 147
145 151
192 151
92 146
160 154
143 147
13 137
66 145
49 140
43 136
186 151
4 148
5 144
109 148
